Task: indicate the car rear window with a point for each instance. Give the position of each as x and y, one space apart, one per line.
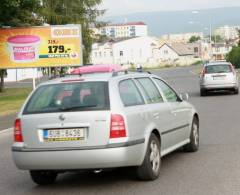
68 97
218 69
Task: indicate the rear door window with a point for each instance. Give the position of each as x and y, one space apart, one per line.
212 69
150 91
69 97
167 91
129 93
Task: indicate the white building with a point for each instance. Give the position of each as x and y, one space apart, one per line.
220 50
131 29
124 51
177 53
181 38
227 32
14 75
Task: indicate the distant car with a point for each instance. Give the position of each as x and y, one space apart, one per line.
103 120
218 76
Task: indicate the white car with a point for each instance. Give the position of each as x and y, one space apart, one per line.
218 76
98 121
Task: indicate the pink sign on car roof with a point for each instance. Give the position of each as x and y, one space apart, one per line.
97 68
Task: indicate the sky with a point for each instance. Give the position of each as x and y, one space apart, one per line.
121 7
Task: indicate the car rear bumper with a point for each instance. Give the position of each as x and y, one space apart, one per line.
219 86
72 159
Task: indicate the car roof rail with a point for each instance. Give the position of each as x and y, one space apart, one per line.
63 75
116 73
73 74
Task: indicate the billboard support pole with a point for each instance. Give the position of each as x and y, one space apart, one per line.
34 79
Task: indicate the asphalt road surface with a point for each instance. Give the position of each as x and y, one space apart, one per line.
214 169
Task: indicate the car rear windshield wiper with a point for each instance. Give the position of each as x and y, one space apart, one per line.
77 107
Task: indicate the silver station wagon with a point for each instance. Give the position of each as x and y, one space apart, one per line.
102 120
218 76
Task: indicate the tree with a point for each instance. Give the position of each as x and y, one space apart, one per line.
82 12
16 13
217 39
194 39
234 55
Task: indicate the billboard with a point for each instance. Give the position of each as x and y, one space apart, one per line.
43 46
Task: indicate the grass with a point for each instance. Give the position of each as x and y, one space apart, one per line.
12 99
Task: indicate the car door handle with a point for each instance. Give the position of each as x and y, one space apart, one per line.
174 112
156 115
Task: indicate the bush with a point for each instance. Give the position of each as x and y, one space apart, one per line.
234 56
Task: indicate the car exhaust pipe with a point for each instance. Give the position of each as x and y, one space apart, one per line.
97 171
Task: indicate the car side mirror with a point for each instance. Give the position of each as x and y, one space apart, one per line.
184 96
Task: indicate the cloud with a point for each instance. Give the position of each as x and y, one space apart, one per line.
121 7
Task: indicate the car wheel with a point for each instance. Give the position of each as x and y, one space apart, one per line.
150 168
194 137
203 92
236 91
43 177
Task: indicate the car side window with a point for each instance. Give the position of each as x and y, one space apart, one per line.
168 92
150 91
129 93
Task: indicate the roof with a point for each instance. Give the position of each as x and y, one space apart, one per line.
221 45
180 48
128 24
115 40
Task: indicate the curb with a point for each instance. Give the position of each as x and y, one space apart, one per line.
6 131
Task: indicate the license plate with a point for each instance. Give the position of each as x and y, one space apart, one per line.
218 78
64 134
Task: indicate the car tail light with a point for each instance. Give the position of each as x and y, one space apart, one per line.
203 72
232 68
117 129
18 131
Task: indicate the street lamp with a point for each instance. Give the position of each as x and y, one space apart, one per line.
210 25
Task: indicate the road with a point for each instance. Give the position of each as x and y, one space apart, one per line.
214 169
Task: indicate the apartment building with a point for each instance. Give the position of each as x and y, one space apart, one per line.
181 38
131 29
227 32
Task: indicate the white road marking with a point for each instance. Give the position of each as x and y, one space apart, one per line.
194 73
6 131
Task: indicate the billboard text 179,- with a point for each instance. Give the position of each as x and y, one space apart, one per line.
44 46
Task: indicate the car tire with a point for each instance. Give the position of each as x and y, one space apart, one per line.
203 92
236 91
193 146
43 177
150 168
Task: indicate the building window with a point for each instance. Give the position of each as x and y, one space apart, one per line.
195 49
111 53
96 55
140 53
217 49
104 54
165 51
121 53
100 54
